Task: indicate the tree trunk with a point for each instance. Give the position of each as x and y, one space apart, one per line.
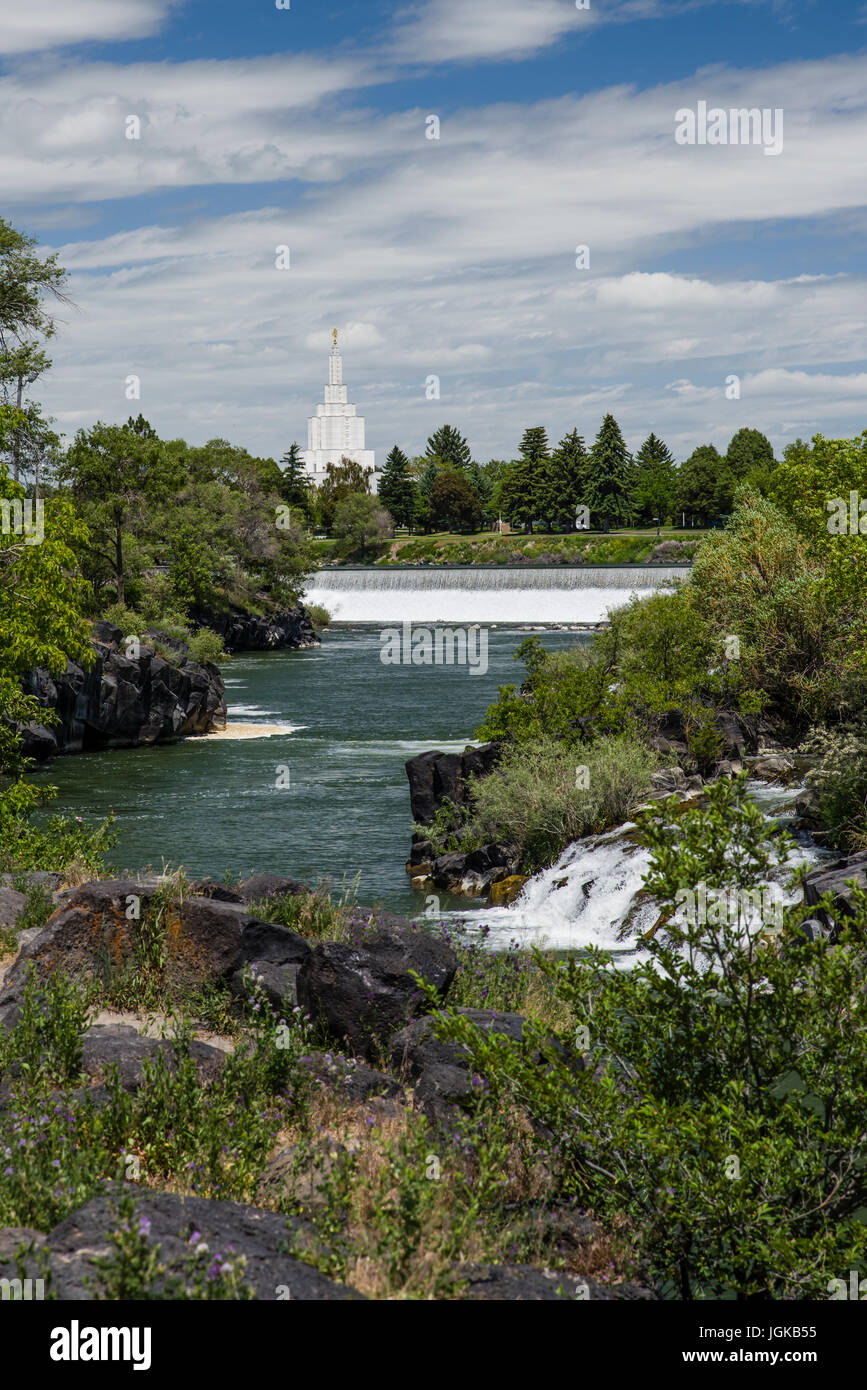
16 438
118 562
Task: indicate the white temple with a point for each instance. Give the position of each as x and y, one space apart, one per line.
335 431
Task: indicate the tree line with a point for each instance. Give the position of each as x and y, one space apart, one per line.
570 486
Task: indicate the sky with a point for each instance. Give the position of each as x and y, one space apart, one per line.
724 284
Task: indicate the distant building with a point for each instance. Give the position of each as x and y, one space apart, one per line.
335 431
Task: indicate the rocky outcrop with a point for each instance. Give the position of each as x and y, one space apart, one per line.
103 927
185 1229
436 777
241 631
124 701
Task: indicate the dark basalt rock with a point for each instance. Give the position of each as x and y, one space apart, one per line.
120 1046
124 703
268 886
228 1229
833 878
241 631
90 936
351 1080
12 905
473 873
364 992
436 777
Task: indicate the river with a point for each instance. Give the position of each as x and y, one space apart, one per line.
215 805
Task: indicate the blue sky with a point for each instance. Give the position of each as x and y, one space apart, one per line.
456 257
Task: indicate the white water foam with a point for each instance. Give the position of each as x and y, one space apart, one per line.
592 895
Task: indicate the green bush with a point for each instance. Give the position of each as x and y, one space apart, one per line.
545 795
713 1095
839 780
319 616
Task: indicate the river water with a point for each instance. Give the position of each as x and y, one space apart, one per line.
325 802
327 799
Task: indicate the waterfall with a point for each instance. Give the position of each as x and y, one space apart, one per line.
592 896
571 594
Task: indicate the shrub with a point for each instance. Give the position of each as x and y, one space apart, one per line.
714 1094
319 616
840 782
545 796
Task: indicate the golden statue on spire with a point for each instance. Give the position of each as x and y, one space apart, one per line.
335 337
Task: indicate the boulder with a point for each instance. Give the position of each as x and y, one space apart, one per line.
347 1078
474 872
90 936
834 879
12 905
118 1045
773 768
506 890
363 992
268 886
177 1225
415 1048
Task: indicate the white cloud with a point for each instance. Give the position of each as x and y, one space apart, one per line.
453 258
50 24
446 30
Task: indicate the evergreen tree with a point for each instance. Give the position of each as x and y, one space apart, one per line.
483 485
295 486
396 488
522 493
427 476
655 482
609 476
564 484
449 446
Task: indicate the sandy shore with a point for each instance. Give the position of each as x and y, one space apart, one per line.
250 731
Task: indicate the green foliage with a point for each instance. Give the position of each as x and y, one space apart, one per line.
46 1039
801 638
314 915
396 488
610 472
839 780
360 522
654 482
719 1106
319 616
705 485
453 503
449 447
544 795
342 480
58 844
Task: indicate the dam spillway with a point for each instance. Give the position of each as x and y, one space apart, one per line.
570 594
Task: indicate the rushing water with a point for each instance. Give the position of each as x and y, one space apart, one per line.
561 594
